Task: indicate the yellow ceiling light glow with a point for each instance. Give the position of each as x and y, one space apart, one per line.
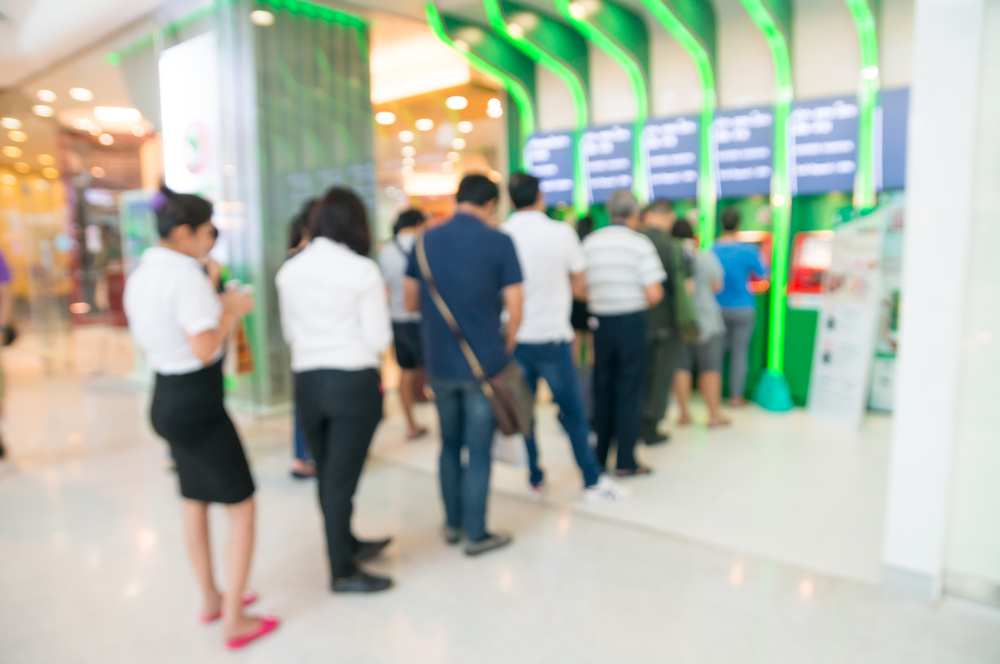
457 103
22 168
98 172
46 159
17 136
406 136
12 151
10 123
8 178
385 118
409 151
515 30
46 96
106 139
43 110
262 18
117 115
494 108
425 124
50 173
81 94
458 144
465 127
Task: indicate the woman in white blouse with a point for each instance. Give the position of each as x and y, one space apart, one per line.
182 324
335 317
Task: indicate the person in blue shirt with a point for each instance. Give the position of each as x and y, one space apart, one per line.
478 275
739 261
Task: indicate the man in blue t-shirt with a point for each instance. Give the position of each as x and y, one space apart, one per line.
740 261
476 271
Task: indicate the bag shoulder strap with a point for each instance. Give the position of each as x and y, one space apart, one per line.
449 318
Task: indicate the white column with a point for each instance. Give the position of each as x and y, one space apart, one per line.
944 134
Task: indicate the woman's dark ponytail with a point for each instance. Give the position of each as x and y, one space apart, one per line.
173 210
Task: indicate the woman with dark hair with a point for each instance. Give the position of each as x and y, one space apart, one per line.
181 324
405 324
335 318
303 466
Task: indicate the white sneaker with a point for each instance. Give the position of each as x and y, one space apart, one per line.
605 491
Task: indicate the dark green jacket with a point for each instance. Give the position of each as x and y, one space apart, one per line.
670 316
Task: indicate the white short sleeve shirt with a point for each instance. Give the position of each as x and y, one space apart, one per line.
168 299
549 253
621 263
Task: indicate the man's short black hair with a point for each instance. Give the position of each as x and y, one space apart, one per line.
731 220
683 230
477 189
523 189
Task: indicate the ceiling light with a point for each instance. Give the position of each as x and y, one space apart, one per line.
385 118
98 172
46 96
46 159
465 127
870 73
516 31
50 173
117 115
409 151
406 136
106 139
526 20
81 94
458 144
409 161
462 45
456 102
425 124
43 111
22 167
10 123
581 10
12 151
262 18
138 131
8 178
494 108
17 136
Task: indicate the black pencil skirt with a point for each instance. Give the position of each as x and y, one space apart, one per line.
189 412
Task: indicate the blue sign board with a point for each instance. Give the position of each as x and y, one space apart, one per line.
549 157
824 145
607 155
742 140
671 147
893 123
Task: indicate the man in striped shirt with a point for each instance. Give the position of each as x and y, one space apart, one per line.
625 278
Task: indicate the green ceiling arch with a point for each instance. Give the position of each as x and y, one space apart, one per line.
864 13
692 24
774 19
558 48
493 56
622 34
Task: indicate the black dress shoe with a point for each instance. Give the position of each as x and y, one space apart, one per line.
638 471
491 542
370 549
361 582
452 536
655 438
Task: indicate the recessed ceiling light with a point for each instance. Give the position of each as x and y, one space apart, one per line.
465 127
262 18
8 178
515 30
425 124
106 139
409 151
494 108
43 110
81 94
46 159
12 151
22 167
458 144
10 123
46 96
17 136
50 173
138 131
385 118
406 136
98 172
111 115
584 8
456 102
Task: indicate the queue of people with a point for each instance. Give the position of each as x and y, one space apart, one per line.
460 303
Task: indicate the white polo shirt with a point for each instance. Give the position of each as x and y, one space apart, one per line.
392 260
621 263
334 308
549 253
169 298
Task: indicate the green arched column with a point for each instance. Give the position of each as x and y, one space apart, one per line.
864 13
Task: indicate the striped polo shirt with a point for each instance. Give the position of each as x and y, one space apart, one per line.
621 263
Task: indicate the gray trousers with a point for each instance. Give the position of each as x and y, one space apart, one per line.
739 330
662 357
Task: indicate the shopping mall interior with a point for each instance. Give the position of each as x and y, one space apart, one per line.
840 518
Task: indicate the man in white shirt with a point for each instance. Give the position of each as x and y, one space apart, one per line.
624 279
553 266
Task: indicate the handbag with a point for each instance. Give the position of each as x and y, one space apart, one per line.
508 393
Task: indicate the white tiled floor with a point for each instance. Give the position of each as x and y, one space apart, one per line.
93 569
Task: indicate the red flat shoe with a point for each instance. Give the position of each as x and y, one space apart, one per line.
248 600
267 625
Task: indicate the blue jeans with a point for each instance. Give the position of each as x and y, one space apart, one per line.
553 363
466 421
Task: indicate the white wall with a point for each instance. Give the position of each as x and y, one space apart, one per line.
973 552
825 52
555 104
745 75
941 206
611 97
896 43
674 87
